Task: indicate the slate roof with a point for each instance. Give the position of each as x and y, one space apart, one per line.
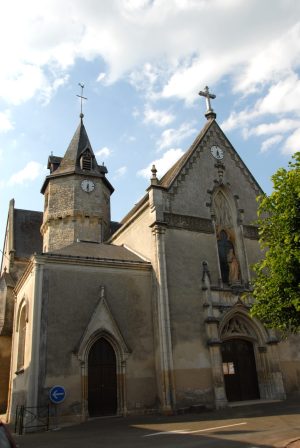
70 162
114 226
27 235
100 251
79 143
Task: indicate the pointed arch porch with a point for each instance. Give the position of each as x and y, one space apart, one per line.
236 325
102 324
121 354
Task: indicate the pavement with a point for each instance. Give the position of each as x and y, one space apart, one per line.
254 425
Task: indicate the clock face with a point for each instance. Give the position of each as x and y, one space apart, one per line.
217 152
87 185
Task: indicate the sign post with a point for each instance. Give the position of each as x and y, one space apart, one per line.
57 395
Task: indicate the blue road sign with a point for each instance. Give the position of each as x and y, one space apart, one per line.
57 394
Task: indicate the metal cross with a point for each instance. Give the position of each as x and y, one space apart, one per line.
81 98
208 96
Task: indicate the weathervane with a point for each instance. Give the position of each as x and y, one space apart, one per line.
81 98
208 96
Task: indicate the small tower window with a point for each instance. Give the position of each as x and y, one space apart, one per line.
86 161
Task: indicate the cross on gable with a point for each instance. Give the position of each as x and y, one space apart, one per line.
208 96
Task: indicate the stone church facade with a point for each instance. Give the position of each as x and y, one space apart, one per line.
145 315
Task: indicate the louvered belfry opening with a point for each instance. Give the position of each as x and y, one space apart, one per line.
86 161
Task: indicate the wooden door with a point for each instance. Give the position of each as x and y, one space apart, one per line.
239 370
102 379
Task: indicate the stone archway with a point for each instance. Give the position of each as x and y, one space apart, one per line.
104 355
102 326
254 355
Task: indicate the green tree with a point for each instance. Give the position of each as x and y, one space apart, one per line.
277 282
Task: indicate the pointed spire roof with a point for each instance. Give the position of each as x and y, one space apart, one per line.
70 163
78 145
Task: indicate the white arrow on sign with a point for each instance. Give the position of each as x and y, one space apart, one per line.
56 394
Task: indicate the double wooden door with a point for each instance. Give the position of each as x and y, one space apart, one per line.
102 379
239 370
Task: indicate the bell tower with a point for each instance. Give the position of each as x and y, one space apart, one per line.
77 196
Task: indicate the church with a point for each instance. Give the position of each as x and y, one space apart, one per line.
148 315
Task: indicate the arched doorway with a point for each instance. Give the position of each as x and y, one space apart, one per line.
102 379
239 369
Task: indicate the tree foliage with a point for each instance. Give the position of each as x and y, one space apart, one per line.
277 282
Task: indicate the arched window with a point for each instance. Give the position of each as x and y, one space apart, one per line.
22 338
222 210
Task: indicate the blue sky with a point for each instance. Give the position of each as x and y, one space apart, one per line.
143 63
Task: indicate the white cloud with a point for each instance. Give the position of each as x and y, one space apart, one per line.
5 121
103 152
163 164
157 117
101 76
49 90
292 143
120 172
267 144
190 77
173 136
30 172
180 45
149 78
284 125
271 62
282 97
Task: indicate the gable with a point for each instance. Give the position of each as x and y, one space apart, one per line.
192 181
101 322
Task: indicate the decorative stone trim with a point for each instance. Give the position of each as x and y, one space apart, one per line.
191 223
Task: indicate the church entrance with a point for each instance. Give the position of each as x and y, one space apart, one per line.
239 370
102 379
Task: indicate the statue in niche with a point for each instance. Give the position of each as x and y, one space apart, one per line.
233 267
228 261
222 211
